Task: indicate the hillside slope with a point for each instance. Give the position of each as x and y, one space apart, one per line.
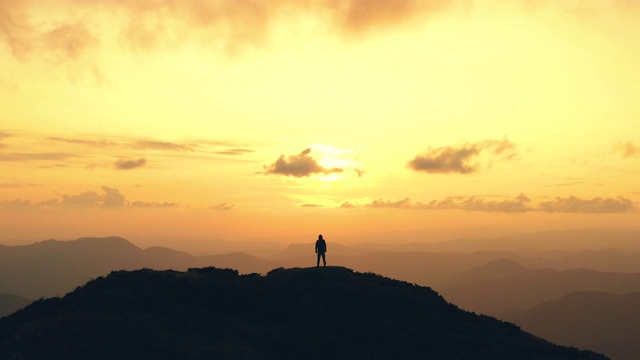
312 313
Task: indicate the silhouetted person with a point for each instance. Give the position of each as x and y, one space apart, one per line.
321 248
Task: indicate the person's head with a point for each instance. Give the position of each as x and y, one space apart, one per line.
319 237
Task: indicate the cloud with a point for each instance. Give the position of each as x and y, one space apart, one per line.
160 145
445 160
310 205
515 205
518 204
232 24
17 184
124 164
4 135
69 40
467 203
93 143
599 205
108 198
86 199
35 156
148 204
229 25
139 144
301 165
221 207
348 205
628 149
460 159
17 204
14 28
112 198
234 152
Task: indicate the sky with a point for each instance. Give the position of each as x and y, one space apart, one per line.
176 123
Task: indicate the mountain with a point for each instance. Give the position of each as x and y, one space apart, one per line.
546 241
310 313
425 268
607 323
9 303
503 285
603 260
51 267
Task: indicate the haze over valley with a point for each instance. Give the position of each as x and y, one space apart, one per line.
506 277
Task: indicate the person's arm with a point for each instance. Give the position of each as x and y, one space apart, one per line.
316 247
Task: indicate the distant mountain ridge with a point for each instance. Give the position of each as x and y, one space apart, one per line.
503 285
51 267
10 303
544 241
311 313
608 323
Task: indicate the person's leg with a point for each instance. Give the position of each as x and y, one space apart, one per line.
318 262
324 260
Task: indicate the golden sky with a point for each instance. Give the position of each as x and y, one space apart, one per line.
173 122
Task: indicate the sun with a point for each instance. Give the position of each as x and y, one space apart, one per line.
333 157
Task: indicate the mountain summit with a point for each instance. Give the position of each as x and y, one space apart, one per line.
300 313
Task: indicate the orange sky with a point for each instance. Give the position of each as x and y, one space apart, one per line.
173 123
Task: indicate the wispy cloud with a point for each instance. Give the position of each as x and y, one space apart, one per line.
17 184
161 145
461 159
53 156
518 204
471 203
128 164
221 207
573 204
628 149
151 204
229 25
85 142
107 198
126 153
301 165
310 205
68 40
17 204
15 30
234 152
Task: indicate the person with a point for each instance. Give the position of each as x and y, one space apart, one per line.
321 248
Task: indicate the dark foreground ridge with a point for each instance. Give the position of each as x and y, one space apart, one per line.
311 313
